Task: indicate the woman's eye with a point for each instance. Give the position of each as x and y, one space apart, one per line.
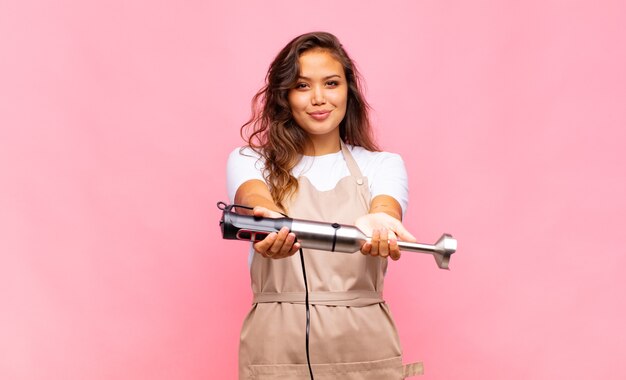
332 83
301 86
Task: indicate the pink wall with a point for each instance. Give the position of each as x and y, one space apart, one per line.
115 123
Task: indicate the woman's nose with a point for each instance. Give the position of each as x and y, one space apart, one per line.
318 96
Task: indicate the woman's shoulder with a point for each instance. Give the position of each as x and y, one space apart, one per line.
367 157
243 164
245 156
244 151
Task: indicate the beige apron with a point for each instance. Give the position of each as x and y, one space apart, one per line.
352 333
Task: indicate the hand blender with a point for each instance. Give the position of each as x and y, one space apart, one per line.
332 237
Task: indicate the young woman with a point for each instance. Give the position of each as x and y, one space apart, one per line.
310 155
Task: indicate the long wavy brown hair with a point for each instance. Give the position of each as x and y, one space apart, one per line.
273 133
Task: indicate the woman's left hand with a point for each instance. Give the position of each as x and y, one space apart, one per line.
384 231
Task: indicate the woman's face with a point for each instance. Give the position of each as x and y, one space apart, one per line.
319 99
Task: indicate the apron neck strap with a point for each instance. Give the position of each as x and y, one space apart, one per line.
352 165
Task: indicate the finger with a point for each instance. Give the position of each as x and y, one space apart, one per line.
366 248
294 249
394 250
383 246
277 246
263 245
259 211
403 233
375 241
287 247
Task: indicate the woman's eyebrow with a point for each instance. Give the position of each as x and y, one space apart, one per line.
325 78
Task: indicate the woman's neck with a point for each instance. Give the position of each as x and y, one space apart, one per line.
321 145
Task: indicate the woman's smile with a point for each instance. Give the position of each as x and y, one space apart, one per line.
320 115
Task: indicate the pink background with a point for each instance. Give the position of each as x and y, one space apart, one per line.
116 118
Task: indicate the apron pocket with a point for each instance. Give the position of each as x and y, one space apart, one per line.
390 369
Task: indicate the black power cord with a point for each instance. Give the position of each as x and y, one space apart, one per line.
308 312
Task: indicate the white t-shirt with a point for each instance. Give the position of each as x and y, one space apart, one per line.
385 171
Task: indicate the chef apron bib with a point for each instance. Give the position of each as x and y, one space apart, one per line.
352 333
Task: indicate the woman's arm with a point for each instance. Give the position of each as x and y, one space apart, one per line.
386 204
254 193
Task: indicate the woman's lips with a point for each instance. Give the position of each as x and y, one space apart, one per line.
319 115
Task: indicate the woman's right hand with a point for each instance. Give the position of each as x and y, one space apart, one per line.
276 245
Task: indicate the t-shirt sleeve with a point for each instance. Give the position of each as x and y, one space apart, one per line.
390 178
241 167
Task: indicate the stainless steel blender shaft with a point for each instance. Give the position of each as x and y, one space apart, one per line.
441 250
343 238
